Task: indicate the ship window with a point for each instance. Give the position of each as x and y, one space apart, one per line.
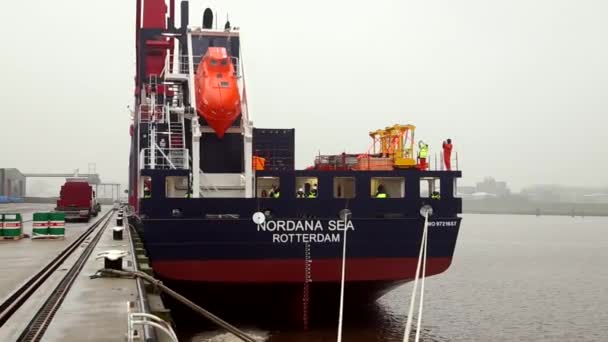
224 84
213 61
146 187
394 187
224 61
219 76
265 186
306 187
344 187
430 186
177 187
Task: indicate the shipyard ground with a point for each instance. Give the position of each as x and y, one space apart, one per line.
93 309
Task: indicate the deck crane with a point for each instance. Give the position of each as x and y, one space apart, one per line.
396 143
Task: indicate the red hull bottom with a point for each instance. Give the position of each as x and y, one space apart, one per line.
275 291
294 270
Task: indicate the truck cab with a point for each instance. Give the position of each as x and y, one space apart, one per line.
78 200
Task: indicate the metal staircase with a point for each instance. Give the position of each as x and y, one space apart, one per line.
164 125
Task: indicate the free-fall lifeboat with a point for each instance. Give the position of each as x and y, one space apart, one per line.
217 92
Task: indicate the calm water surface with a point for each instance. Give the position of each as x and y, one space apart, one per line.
513 278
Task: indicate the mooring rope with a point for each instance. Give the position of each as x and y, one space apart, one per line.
158 284
341 315
421 259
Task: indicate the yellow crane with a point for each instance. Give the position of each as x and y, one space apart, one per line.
397 143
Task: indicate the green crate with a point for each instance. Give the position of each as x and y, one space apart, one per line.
57 223
13 225
40 224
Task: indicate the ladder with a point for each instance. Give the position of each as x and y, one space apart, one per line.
176 131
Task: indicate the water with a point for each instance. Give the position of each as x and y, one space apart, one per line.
513 278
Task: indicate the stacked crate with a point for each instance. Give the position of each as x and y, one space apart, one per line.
57 224
40 225
48 225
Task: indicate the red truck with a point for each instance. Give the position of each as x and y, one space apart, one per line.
77 200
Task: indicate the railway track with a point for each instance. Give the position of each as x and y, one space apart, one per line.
43 317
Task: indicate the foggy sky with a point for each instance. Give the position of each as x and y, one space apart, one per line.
520 86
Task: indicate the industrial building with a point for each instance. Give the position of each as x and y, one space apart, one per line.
12 183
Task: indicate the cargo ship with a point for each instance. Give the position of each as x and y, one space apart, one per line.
223 211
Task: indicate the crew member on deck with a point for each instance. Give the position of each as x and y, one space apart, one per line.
313 193
161 163
447 154
435 195
423 152
381 193
300 193
275 192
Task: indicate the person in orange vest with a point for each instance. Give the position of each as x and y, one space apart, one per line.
447 154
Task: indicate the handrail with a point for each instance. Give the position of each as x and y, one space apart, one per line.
141 292
196 60
453 160
165 156
201 173
177 158
147 320
159 285
153 321
156 115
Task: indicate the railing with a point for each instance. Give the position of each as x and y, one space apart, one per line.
183 64
145 319
149 113
366 162
208 186
336 162
164 158
440 164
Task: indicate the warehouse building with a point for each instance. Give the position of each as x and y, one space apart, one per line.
12 183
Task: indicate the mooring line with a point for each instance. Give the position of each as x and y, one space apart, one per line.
421 258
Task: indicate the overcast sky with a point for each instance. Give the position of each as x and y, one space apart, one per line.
521 86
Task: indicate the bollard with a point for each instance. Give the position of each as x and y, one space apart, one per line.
117 233
119 221
112 259
112 264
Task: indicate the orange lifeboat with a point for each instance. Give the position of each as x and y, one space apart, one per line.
217 92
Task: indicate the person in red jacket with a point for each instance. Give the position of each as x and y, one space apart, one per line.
447 154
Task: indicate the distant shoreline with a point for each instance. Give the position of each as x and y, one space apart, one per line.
515 206
533 213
